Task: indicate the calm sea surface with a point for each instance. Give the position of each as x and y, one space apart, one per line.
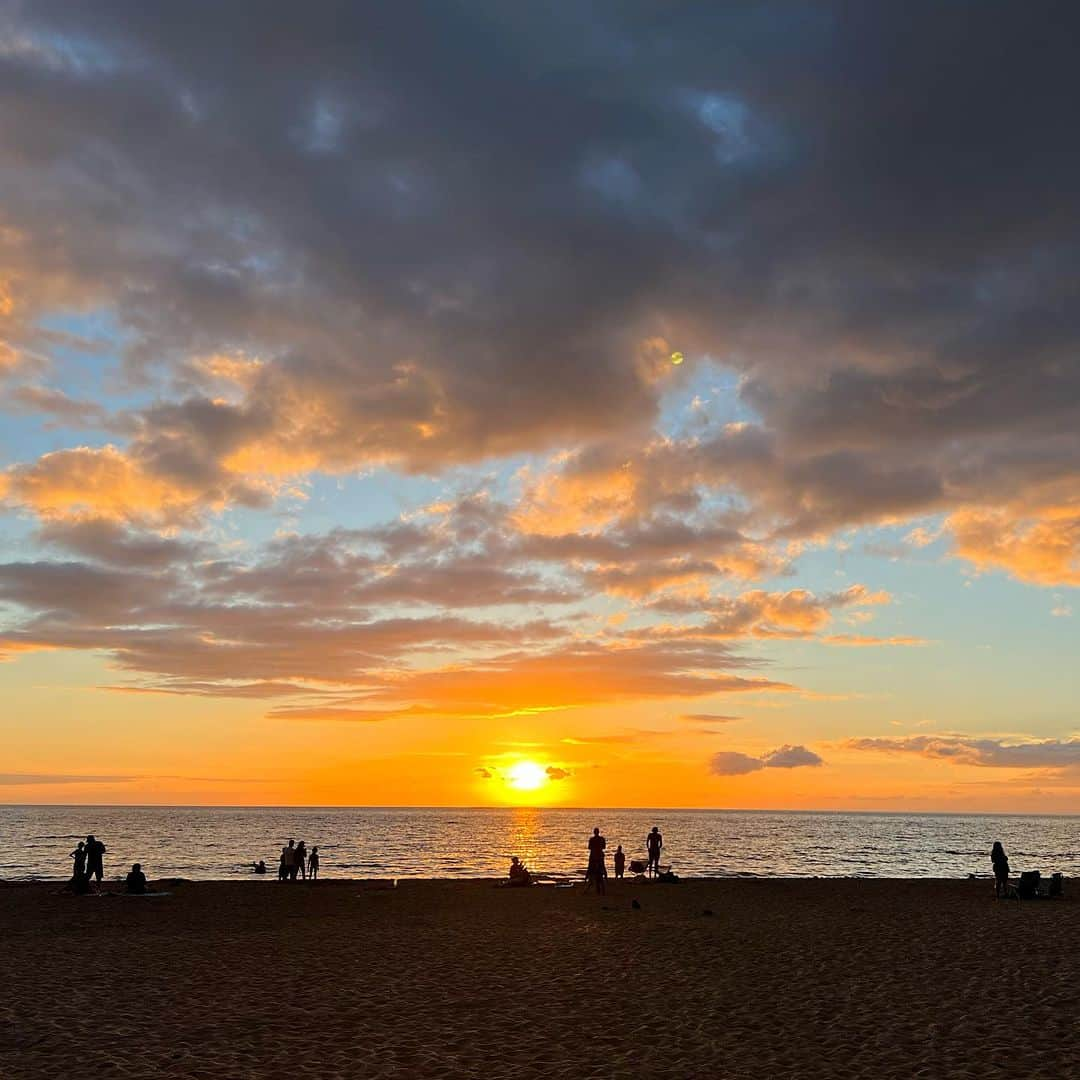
221 842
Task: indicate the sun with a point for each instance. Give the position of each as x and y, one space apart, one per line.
526 776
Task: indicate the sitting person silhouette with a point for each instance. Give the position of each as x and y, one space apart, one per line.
259 867
135 884
519 872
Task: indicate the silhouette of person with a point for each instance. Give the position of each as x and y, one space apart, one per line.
1000 863
313 864
79 855
288 856
95 863
619 859
299 862
654 843
597 871
259 867
519 872
136 881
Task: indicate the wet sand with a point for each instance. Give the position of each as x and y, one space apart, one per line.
456 979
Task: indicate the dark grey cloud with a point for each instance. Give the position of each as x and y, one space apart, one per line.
973 750
448 230
733 763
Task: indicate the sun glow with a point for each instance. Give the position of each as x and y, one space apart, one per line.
526 776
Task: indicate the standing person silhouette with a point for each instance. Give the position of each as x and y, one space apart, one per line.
597 871
654 844
619 859
299 862
95 863
1000 862
78 876
313 864
288 854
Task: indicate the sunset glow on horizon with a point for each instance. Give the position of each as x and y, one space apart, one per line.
633 421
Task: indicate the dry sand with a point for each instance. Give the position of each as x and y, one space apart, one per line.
456 979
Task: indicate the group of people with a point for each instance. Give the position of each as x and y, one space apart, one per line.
89 859
596 871
89 856
296 861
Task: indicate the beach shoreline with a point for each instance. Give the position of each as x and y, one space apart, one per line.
707 977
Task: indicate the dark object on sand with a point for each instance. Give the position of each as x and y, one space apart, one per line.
1027 888
635 905
707 911
667 877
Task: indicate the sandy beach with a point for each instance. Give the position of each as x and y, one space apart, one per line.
791 978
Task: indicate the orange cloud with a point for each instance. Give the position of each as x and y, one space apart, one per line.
1041 547
103 481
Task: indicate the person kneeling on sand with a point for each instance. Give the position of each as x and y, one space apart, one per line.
136 881
519 872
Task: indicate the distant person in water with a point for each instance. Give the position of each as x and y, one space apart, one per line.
95 861
259 867
619 859
597 870
299 862
1000 862
288 861
654 844
313 864
136 881
519 872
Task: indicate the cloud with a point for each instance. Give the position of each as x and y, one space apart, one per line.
732 763
28 779
790 757
709 718
1041 547
869 640
554 772
279 320
981 752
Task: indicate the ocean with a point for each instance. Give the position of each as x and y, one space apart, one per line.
214 843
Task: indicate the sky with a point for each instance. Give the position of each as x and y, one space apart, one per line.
594 404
